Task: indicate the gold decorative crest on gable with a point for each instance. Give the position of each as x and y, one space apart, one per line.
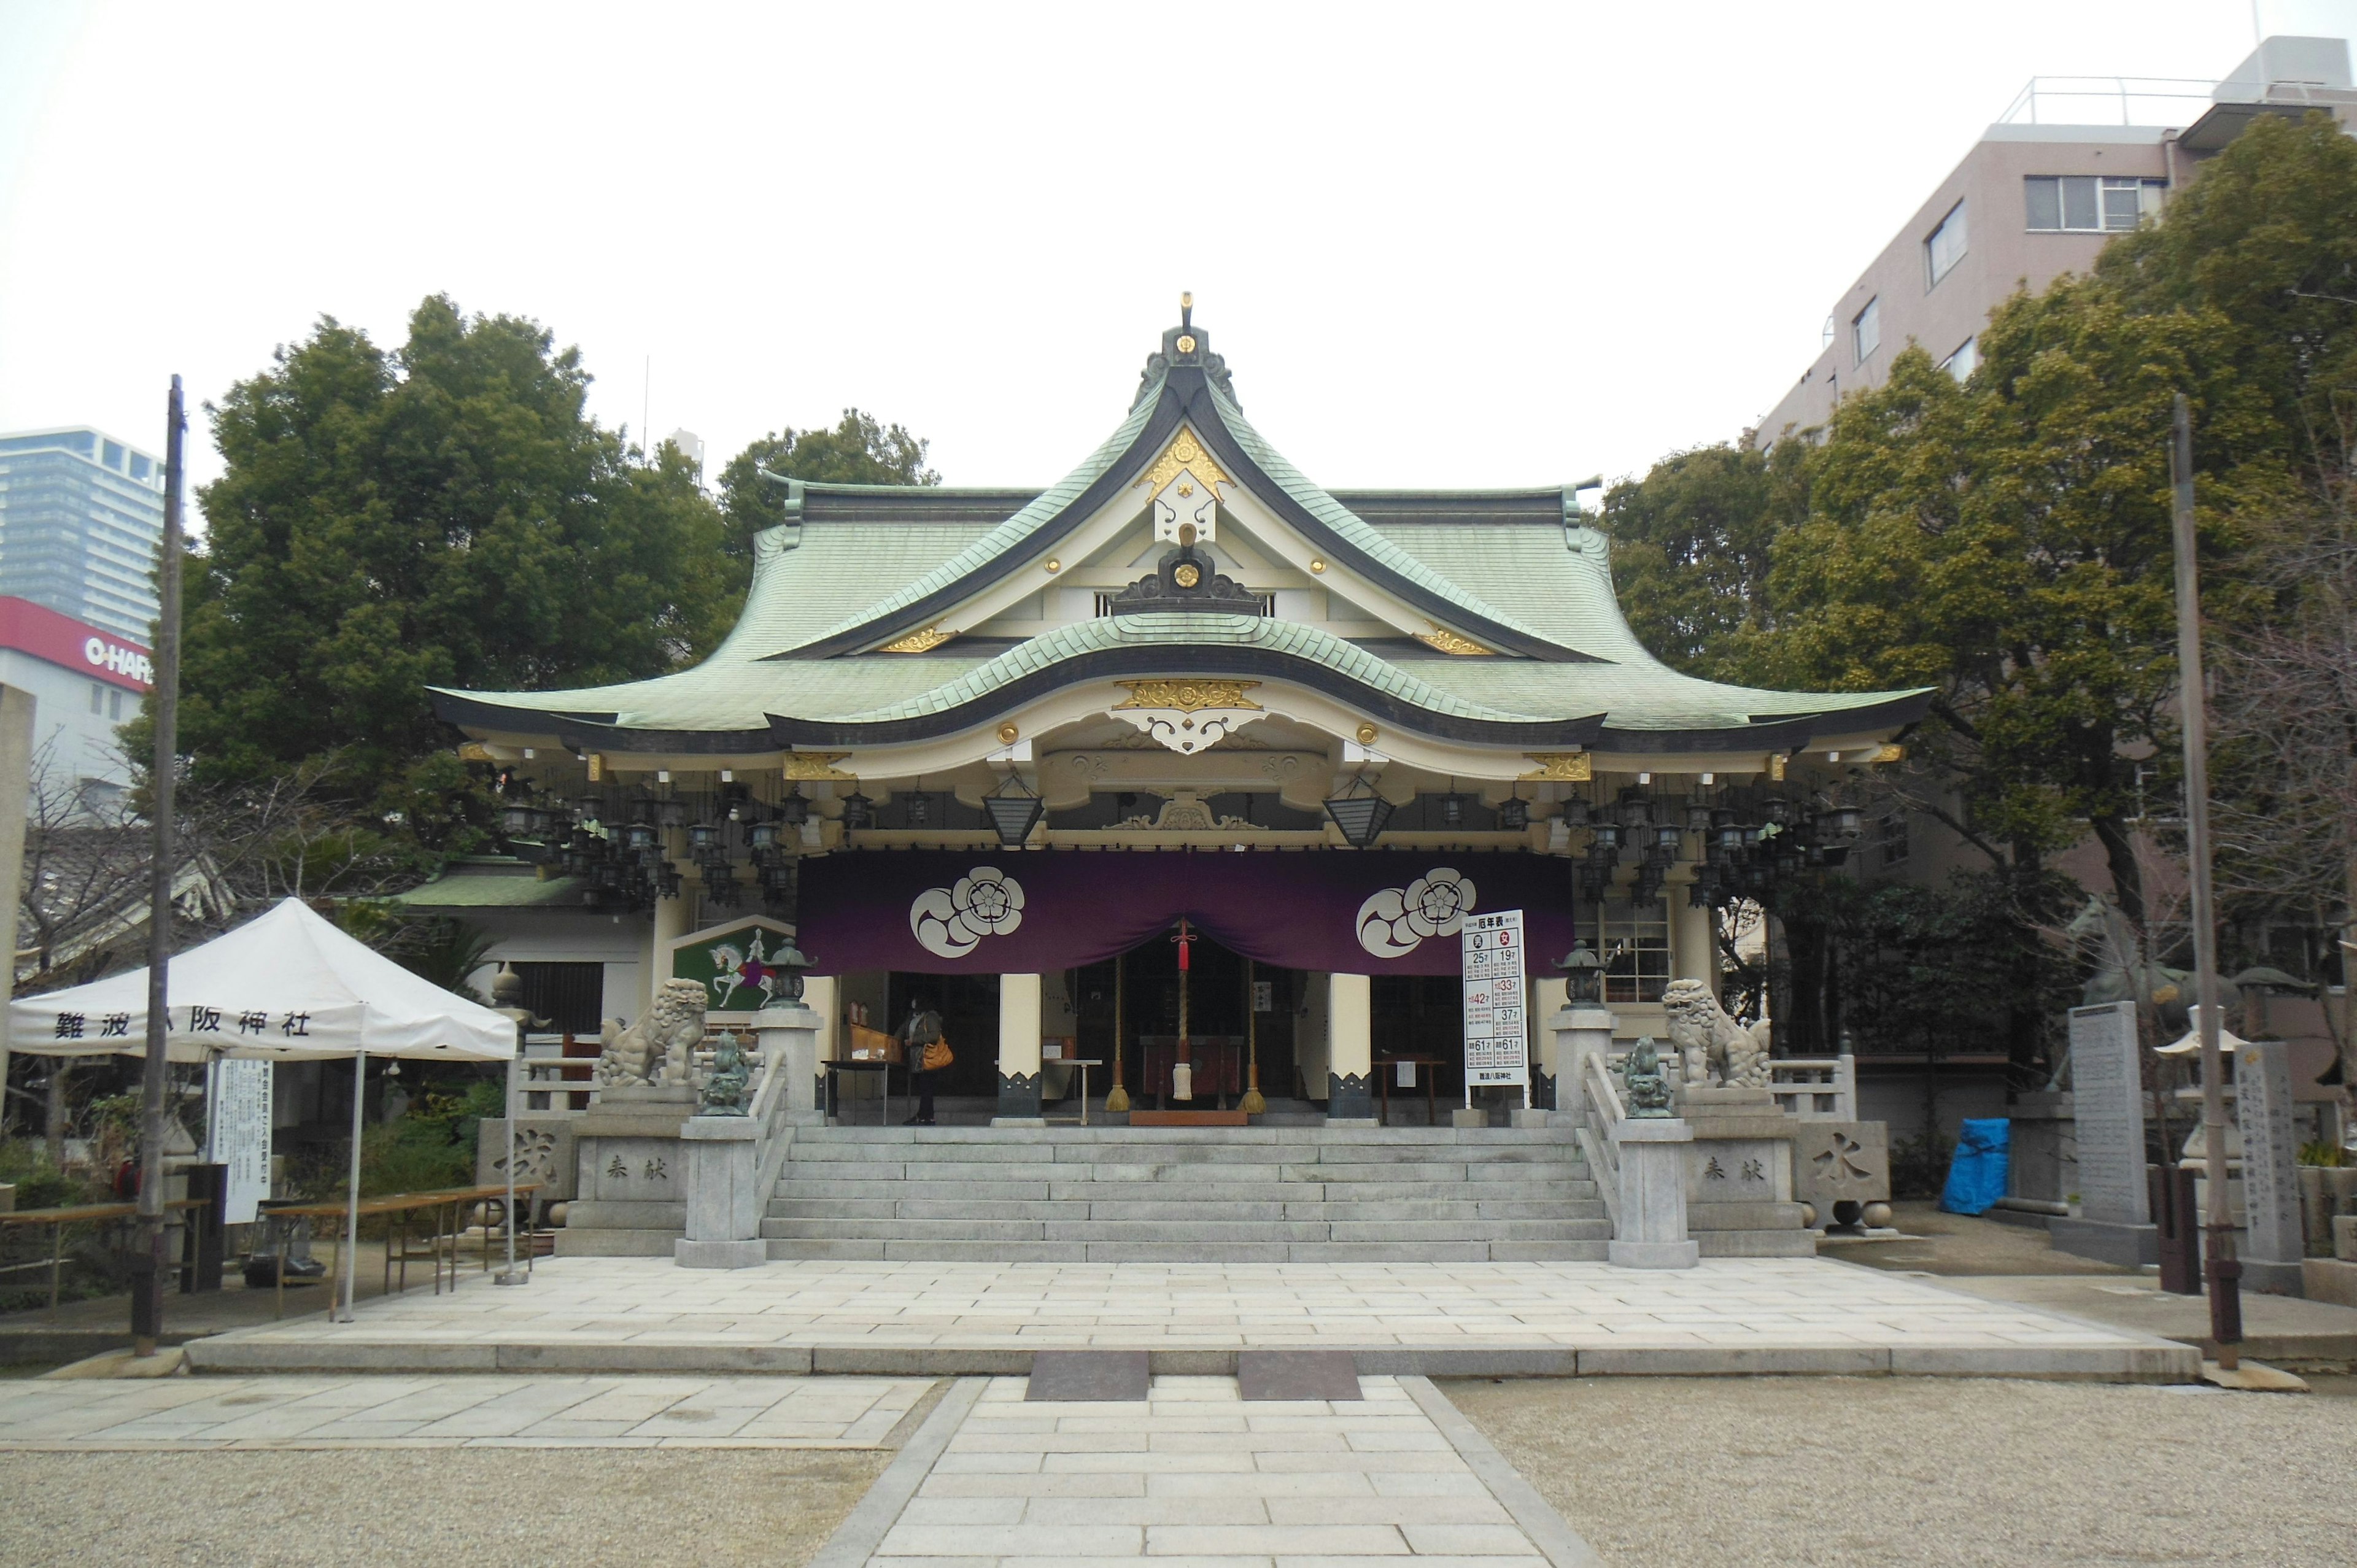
1183 453
815 764
1448 641
932 637
1562 767
1187 696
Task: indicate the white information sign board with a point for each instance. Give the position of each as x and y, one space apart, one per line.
237 1100
1496 1038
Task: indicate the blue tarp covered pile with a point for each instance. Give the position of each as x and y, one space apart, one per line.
1976 1175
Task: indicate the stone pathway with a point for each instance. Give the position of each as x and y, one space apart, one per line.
917 1319
431 1413
1196 1475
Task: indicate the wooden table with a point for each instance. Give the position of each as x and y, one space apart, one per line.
1084 1063
401 1205
76 1214
1428 1067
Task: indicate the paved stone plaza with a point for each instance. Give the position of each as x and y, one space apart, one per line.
1194 1471
546 1412
922 1320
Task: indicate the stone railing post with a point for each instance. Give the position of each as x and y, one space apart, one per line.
732 1161
1650 1231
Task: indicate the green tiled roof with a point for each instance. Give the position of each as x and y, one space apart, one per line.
1351 527
476 891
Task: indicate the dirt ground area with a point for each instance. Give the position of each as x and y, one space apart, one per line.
1941 1243
1835 1472
512 1506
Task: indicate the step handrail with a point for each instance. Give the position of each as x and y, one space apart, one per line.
1600 1112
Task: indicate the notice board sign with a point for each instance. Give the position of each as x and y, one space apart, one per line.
1497 1039
237 1133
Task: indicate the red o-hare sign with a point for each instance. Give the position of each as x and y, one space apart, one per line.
1497 1042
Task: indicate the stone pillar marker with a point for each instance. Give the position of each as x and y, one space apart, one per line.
1652 1221
2115 1218
1018 1052
1351 1032
2273 1245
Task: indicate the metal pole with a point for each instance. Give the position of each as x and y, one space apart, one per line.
352 1211
1117 1098
2225 1273
148 1263
515 1071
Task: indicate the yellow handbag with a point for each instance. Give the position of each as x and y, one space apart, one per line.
936 1057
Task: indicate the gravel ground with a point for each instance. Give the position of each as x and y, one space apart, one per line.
1828 1472
642 1507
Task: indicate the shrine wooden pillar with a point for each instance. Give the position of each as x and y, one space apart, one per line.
1018 1051
1349 1034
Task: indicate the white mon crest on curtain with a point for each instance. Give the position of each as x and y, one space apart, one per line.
1394 921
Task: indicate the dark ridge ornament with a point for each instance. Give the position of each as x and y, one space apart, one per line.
1185 581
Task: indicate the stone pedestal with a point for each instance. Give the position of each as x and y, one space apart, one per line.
632 1181
1580 1029
1652 1218
1468 1116
1738 1170
788 1037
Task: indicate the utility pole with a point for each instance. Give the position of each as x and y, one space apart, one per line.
2224 1272
147 1269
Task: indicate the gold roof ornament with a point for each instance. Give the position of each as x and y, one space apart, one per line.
1187 696
1185 454
1448 643
923 642
815 764
1561 766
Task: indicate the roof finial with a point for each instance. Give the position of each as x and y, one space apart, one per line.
1186 309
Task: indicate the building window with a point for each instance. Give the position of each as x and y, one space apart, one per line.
1945 248
1866 330
1964 360
571 996
1894 839
2089 204
97 697
115 705
1637 952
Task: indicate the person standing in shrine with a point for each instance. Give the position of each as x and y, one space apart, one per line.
921 1047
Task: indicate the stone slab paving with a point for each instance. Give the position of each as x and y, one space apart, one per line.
1475 1319
1195 1475
459 1412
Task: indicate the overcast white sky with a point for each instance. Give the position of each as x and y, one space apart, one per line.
1440 244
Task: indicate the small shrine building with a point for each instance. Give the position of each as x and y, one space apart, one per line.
990 751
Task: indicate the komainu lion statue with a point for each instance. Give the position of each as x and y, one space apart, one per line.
1707 1038
660 1048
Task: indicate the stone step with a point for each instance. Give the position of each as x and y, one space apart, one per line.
794 1205
793 1249
1205 1229
1109 1136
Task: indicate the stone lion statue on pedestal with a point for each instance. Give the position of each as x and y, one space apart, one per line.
659 1048
1706 1038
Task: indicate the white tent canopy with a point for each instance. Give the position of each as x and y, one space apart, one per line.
289 987
286 987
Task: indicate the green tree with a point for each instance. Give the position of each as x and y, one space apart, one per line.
859 450
1691 549
444 514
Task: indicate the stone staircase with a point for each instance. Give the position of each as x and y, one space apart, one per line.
1267 1193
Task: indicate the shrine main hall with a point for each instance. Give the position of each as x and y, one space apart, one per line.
1183 766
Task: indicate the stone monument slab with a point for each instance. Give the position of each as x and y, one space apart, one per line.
545 1154
2115 1218
2274 1244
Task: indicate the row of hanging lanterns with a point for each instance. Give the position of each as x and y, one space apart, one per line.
1752 843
